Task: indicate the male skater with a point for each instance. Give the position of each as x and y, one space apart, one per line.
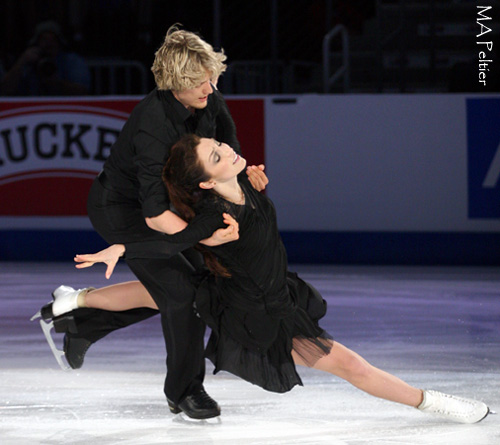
128 203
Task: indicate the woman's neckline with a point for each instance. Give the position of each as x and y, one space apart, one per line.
243 198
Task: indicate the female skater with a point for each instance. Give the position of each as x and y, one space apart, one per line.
264 319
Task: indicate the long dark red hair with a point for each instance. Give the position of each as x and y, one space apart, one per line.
182 175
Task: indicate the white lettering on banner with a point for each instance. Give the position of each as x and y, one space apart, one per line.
50 152
57 137
17 143
491 178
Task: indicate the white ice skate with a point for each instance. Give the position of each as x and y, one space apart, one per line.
54 315
64 299
453 408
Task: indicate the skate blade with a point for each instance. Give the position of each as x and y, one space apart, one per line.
37 315
58 354
45 312
183 418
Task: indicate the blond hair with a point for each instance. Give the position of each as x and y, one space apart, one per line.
184 60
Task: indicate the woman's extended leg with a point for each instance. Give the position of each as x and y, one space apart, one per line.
119 297
350 366
345 363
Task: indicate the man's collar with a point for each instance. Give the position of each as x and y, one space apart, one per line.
181 112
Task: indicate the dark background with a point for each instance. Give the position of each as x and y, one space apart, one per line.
395 46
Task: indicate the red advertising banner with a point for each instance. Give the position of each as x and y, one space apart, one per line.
51 150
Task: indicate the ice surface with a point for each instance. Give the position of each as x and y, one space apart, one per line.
436 328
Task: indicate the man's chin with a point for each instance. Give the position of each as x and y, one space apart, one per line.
201 105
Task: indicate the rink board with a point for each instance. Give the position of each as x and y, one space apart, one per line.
410 179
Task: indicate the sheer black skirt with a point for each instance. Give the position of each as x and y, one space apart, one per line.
271 368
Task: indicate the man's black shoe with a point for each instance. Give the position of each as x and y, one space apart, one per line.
74 350
198 405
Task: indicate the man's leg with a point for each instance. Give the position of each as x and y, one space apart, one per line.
90 325
94 324
170 283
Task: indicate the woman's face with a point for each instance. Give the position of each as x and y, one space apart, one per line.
219 160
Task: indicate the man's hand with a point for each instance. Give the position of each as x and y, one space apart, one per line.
223 236
257 177
110 256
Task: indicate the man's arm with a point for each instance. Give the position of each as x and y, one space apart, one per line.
113 253
167 222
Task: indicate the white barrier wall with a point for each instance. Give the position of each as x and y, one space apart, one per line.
384 162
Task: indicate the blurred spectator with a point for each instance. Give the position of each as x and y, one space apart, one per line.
2 69
47 67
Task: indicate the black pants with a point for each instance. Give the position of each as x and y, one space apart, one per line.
170 281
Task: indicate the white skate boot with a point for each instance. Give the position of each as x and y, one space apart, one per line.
65 299
453 408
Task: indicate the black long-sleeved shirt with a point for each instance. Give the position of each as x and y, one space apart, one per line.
134 167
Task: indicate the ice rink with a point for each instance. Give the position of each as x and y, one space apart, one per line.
437 328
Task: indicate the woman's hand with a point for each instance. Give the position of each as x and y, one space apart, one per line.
110 256
257 177
225 235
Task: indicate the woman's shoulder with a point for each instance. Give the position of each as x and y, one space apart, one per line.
210 205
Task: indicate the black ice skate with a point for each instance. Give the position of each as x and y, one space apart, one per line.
198 405
58 354
75 349
57 315
61 324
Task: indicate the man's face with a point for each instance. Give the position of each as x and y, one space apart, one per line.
197 97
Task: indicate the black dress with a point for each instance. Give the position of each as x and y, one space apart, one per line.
262 311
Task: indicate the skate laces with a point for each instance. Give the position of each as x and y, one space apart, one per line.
451 406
